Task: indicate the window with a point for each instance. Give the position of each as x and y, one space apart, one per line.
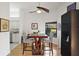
51 27
14 12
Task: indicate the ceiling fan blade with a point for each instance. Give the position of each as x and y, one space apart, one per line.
32 11
45 9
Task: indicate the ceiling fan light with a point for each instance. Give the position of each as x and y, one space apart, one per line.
39 11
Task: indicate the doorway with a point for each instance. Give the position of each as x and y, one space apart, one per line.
14 33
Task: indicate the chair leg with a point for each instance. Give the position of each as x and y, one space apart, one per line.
52 48
24 46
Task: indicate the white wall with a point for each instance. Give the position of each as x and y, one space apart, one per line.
29 18
4 36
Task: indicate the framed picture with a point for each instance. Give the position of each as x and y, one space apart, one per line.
4 25
34 26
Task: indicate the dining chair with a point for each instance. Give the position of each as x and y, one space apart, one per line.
48 45
38 47
26 43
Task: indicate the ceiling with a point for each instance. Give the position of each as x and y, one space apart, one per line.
25 7
32 5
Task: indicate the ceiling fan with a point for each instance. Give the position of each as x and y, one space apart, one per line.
40 9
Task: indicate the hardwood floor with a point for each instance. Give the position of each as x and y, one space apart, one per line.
17 51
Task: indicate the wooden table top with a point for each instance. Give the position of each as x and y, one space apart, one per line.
38 36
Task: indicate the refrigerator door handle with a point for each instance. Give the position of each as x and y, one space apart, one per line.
67 39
